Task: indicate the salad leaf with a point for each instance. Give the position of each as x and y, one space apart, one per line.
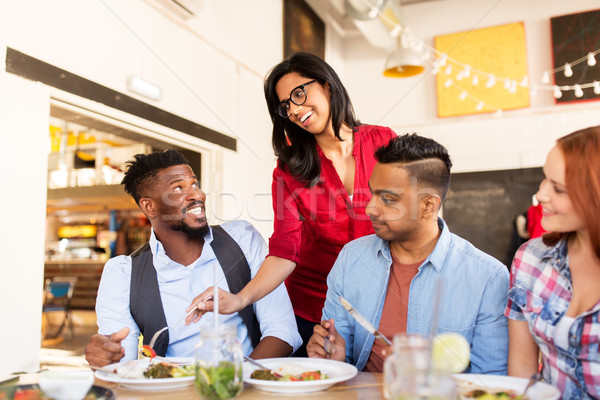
220 382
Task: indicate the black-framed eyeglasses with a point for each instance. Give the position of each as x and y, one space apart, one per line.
297 96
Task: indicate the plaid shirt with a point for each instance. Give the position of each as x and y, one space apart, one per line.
540 292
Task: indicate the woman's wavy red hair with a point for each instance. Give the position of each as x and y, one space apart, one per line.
581 150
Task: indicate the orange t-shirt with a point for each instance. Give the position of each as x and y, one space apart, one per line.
395 309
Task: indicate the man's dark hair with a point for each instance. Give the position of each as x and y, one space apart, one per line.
409 149
142 171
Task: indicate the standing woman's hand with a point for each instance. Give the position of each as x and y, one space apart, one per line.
272 272
228 304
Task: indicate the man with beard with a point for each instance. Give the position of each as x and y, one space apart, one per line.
152 288
391 277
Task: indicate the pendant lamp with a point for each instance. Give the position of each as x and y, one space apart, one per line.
403 62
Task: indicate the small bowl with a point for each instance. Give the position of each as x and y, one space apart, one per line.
66 385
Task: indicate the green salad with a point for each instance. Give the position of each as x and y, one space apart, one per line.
220 382
168 370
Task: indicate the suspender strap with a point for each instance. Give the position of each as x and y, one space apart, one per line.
237 273
144 297
145 303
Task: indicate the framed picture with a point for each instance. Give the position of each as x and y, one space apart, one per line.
497 52
574 36
303 30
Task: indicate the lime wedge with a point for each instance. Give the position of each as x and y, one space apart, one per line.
202 376
450 352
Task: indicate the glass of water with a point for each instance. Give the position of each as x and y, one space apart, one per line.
408 372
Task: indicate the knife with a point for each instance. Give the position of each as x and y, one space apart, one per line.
363 322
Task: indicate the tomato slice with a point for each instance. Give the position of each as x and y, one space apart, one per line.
148 351
27 394
310 376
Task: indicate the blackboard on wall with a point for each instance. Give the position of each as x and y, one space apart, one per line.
481 207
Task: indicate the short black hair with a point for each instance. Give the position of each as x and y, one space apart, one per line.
410 148
143 169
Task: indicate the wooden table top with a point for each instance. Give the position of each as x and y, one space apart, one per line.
364 385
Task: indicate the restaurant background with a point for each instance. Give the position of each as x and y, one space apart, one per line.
210 68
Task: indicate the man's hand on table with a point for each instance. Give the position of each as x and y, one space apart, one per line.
326 342
105 349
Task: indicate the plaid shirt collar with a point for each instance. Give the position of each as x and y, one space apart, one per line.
558 257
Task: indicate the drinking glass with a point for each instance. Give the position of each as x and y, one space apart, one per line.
408 373
218 361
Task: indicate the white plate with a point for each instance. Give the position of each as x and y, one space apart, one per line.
144 383
540 391
335 370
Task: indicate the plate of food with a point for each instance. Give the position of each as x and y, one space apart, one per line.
158 374
299 375
33 392
474 386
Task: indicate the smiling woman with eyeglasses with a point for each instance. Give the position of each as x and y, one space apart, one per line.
297 97
320 186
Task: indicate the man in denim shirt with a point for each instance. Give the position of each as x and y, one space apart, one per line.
391 277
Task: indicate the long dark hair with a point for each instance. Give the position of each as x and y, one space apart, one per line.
293 146
582 178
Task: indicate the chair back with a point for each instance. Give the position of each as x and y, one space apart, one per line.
61 290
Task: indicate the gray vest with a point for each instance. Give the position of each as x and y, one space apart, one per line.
145 303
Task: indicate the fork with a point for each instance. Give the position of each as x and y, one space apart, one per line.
535 378
329 349
253 361
157 334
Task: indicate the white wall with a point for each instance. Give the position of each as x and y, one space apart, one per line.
519 138
211 71
23 168
210 68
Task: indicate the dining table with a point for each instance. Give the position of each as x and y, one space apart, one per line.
365 385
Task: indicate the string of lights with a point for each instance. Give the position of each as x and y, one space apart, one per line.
466 95
448 64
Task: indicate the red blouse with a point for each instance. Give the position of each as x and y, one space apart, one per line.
311 225
534 221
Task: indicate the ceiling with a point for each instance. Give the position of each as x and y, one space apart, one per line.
376 31
405 2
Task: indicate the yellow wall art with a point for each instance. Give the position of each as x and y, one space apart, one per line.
484 70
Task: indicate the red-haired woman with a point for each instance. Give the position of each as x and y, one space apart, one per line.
554 297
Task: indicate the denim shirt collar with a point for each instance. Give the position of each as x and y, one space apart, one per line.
436 257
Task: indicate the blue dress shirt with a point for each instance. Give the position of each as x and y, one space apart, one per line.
474 296
179 284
